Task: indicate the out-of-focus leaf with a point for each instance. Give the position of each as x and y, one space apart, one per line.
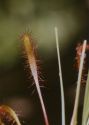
86 104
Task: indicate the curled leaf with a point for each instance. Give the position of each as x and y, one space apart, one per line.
8 116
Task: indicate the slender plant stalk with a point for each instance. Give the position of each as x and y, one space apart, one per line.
85 116
61 80
29 48
87 122
75 111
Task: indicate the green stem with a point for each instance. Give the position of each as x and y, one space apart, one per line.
61 80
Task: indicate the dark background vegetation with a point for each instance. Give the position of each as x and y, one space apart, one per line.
40 16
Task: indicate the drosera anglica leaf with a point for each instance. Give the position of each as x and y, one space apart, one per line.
79 48
75 110
8 116
30 52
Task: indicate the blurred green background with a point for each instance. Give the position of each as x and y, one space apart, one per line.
39 17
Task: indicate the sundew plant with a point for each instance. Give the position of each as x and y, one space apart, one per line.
32 62
9 117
